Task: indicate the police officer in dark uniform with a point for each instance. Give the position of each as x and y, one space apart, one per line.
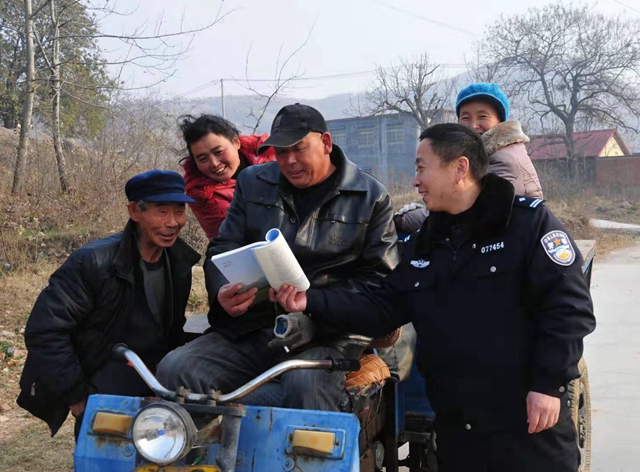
494 287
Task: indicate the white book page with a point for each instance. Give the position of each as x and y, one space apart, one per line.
241 266
279 264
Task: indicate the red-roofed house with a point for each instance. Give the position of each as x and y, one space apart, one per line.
608 159
598 143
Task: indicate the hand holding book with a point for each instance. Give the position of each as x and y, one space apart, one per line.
261 264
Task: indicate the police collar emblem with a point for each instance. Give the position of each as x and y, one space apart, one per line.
558 247
421 264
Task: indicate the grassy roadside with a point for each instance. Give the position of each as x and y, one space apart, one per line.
25 442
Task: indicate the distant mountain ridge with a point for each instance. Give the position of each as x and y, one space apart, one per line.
237 108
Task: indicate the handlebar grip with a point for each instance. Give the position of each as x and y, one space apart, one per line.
118 350
346 365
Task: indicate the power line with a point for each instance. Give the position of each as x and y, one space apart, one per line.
428 20
625 5
340 76
199 88
320 77
211 83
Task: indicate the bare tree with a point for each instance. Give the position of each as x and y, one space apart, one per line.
156 51
571 66
55 104
27 107
281 82
150 46
479 70
415 87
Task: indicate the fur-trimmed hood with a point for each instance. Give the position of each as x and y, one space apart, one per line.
502 135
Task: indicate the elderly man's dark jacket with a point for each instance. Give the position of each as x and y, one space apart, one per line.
349 241
86 309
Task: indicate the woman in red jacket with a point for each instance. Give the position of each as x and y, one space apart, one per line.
217 154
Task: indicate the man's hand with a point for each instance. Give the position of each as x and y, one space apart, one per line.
234 303
299 331
542 411
289 298
77 409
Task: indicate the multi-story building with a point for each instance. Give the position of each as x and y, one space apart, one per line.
384 145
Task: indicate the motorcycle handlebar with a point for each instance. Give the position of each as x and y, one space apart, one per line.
121 351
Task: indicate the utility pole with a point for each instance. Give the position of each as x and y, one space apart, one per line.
222 95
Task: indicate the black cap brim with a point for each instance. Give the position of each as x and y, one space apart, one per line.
284 139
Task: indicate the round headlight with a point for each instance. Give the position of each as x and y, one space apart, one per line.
163 433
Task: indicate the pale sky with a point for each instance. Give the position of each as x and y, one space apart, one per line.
350 37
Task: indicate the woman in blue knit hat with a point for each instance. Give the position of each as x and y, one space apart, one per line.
485 108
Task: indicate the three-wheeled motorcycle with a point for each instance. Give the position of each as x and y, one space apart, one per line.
248 430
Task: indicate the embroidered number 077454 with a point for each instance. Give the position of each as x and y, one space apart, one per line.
492 247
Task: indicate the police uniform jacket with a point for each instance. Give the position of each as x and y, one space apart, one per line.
499 302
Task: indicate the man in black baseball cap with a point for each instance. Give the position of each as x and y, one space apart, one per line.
336 219
292 124
303 149
131 287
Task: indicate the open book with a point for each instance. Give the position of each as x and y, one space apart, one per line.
262 264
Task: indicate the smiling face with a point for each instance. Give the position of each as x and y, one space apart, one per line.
307 162
159 224
480 115
216 156
436 181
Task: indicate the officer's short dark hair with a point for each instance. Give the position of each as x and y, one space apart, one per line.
449 141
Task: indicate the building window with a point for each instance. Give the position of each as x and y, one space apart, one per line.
395 133
339 136
365 136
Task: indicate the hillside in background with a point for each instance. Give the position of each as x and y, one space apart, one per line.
237 108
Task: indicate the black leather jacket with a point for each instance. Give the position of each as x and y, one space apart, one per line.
348 242
82 312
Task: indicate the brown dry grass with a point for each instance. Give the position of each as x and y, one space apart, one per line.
24 441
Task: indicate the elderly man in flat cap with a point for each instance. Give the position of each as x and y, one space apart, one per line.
131 287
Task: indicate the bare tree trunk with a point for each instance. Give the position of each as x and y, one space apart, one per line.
27 108
571 150
9 120
55 91
11 116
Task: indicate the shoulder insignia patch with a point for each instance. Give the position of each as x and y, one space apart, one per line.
528 202
559 248
410 237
